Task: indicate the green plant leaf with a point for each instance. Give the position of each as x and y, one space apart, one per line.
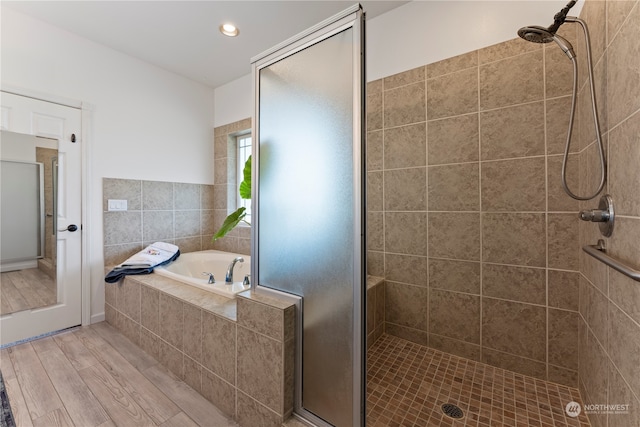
245 185
230 222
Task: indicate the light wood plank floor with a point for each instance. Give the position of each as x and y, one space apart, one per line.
26 289
94 376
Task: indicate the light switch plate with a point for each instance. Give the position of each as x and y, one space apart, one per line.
117 205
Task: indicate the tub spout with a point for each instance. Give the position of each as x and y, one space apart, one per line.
228 278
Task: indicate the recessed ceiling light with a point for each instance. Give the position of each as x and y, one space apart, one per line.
229 30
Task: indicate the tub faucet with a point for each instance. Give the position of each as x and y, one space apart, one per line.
228 279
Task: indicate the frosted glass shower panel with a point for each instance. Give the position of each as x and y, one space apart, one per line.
308 196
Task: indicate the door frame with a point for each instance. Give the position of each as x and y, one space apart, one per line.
86 112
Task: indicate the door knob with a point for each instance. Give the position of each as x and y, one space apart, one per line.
71 227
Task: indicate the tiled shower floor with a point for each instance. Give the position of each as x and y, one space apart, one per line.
408 383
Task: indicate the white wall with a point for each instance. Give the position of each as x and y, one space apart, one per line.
419 33
147 123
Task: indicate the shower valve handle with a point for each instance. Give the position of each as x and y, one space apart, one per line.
594 215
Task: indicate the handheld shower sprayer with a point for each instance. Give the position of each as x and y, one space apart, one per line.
538 34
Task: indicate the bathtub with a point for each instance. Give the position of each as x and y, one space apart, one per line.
189 269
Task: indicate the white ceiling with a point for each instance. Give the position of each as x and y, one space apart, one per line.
183 36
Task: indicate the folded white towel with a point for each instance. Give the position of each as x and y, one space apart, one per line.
152 255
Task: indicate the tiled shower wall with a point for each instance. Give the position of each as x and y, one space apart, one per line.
467 221
226 186
176 213
609 335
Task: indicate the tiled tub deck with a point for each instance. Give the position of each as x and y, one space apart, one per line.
237 353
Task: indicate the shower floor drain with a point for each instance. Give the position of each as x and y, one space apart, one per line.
451 410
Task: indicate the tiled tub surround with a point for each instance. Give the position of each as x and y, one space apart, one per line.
237 353
226 186
172 212
609 322
467 220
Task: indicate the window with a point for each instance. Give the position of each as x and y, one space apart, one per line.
244 151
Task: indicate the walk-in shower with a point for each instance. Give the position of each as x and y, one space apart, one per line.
537 34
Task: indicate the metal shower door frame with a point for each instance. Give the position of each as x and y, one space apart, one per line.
352 17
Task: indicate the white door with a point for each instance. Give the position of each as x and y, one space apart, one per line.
30 116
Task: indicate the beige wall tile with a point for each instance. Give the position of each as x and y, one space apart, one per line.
514 238
406 268
406 232
462 323
564 289
563 376
453 139
507 49
261 318
150 343
405 189
171 320
454 235
404 105
459 276
511 81
594 310
410 334
624 337
187 223
171 358
406 305
405 146
116 254
122 227
374 111
452 94
453 64
617 12
557 198
374 191
557 115
192 338
515 131
186 196
129 300
454 187
563 241
514 363
404 78
558 70
619 393
193 373
219 346
563 338
515 328
219 392
594 367
514 283
375 151
157 195
514 185
625 293
157 225
252 413
122 189
375 231
453 346
260 368
624 174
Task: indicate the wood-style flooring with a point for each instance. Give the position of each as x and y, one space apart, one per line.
94 376
26 289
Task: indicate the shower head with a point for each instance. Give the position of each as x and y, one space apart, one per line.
537 34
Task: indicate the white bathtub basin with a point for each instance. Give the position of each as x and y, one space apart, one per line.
189 269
